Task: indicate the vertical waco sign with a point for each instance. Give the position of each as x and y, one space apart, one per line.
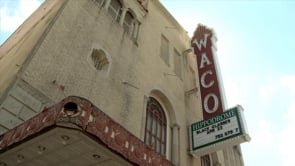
219 128
209 84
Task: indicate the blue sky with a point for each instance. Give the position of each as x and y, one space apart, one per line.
13 13
255 50
256 42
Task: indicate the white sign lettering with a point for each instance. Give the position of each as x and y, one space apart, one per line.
215 105
204 59
202 42
203 77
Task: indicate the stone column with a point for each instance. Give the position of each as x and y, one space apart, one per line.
107 4
135 29
124 11
175 145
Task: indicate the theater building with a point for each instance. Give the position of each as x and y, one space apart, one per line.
101 82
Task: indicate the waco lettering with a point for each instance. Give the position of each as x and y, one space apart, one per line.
209 86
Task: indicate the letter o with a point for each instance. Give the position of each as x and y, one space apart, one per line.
215 99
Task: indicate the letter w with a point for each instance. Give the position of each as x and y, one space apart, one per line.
202 42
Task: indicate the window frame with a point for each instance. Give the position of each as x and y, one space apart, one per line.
206 160
116 13
99 59
177 64
164 50
128 26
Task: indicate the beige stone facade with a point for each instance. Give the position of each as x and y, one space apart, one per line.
116 59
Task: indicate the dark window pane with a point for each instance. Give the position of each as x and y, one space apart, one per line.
159 130
205 160
154 127
147 138
163 134
158 146
149 122
163 149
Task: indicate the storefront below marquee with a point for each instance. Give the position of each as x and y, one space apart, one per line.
74 132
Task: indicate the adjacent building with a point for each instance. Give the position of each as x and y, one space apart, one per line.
101 82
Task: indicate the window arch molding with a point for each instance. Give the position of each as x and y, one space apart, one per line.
172 153
166 104
130 22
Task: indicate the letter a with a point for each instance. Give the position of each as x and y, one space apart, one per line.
202 42
204 59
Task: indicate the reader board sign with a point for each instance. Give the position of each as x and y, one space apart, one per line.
227 128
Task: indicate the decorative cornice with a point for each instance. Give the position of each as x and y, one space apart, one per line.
91 120
144 4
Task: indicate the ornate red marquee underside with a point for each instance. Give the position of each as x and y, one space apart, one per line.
91 120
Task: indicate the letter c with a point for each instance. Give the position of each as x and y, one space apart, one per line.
203 83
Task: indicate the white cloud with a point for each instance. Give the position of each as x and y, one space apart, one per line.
264 136
12 18
270 87
9 22
233 93
27 7
236 90
290 115
289 82
267 91
286 142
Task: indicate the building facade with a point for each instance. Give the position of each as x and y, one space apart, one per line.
101 82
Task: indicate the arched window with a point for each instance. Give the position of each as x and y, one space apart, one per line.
115 9
156 127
